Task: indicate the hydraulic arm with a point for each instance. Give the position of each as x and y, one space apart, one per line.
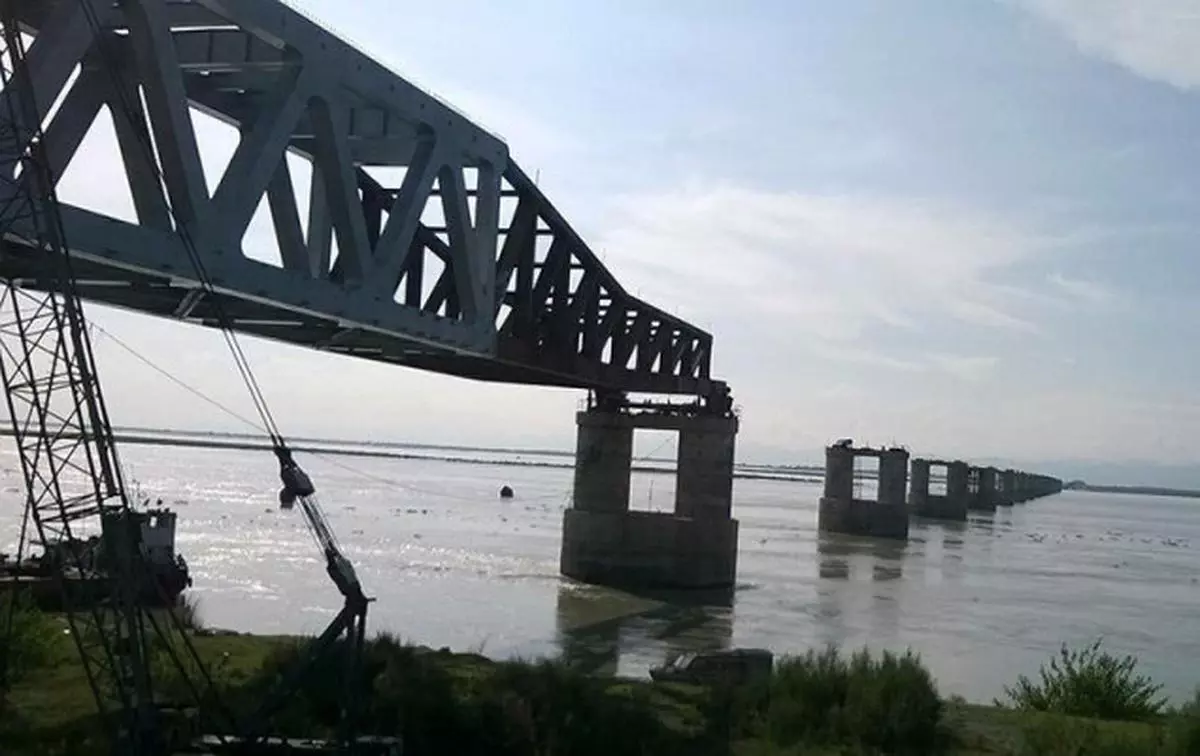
297 486
351 620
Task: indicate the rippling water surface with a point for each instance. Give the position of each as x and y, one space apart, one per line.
452 565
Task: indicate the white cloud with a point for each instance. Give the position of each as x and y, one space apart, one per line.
1156 39
826 268
531 139
968 368
865 357
1082 290
962 367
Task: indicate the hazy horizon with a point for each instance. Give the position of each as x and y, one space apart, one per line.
659 446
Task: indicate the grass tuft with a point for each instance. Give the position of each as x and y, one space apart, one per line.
29 638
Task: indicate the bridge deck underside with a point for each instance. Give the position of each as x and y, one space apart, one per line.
405 233
159 296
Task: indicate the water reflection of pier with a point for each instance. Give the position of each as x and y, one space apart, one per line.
604 631
842 556
859 593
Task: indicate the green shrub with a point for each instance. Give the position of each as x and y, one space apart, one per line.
414 696
1184 729
493 709
888 703
893 702
547 708
29 638
313 702
1089 683
733 712
1055 735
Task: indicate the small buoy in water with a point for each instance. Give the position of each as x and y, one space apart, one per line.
506 492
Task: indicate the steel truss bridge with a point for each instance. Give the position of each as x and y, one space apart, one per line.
461 265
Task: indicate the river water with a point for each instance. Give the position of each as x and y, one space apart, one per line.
453 565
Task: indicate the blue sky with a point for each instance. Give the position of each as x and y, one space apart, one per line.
968 227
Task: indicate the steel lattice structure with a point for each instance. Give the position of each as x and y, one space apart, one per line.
59 420
461 266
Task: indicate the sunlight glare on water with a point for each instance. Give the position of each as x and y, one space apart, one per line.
453 565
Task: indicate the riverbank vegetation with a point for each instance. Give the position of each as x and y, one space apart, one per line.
823 702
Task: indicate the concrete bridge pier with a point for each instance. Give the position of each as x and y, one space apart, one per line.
1021 487
1051 486
842 511
693 547
956 481
952 505
982 489
1042 485
918 486
1004 488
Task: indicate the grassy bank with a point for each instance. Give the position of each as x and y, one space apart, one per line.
441 702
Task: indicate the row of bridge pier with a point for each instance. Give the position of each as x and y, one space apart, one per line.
900 494
695 545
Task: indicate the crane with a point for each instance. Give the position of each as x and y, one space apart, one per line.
68 455
59 418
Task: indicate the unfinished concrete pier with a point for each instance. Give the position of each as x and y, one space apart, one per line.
842 510
981 489
1006 483
1025 487
1037 486
693 547
949 503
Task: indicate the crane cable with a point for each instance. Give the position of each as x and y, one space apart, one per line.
290 473
329 458
332 459
144 141
312 505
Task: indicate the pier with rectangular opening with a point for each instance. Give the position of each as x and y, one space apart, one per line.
981 489
939 489
693 547
948 503
843 510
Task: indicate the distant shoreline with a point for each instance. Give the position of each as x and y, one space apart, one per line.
1183 493
337 443
807 474
232 442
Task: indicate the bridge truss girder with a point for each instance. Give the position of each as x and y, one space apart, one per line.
459 265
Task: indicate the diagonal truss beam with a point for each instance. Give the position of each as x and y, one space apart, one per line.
402 227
